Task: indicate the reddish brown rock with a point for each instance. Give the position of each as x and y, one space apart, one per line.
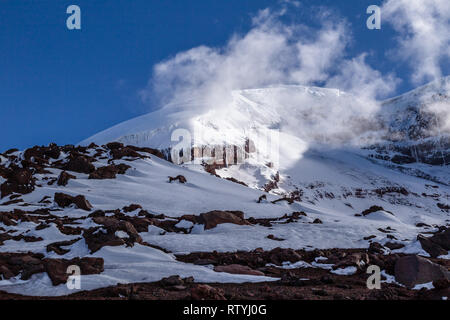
131 208
64 200
206 292
371 210
154 152
238 269
109 172
442 239
114 145
96 238
358 260
120 153
413 270
394 245
213 218
64 178
432 248
180 179
261 198
79 164
57 246
57 268
19 180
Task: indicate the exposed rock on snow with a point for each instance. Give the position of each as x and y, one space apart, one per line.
414 270
64 200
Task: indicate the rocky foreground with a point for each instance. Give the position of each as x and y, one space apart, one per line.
309 281
302 274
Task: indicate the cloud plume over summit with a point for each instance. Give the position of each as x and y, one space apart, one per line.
272 52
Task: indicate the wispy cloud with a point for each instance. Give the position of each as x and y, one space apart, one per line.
270 53
424 35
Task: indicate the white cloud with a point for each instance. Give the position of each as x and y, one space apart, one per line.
361 79
270 53
273 53
424 34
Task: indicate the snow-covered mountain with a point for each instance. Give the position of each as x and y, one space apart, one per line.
413 128
337 184
417 132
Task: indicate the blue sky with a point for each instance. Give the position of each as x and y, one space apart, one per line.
62 86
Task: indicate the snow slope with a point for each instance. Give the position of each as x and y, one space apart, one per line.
337 172
320 158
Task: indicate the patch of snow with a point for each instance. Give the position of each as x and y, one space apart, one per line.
348 271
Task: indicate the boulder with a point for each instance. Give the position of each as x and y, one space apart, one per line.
96 238
394 245
213 218
205 292
125 152
114 145
371 210
180 179
131 208
64 178
172 281
432 248
413 270
79 164
109 172
359 260
238 269
154 152
64 200
57 268
442 239
19 180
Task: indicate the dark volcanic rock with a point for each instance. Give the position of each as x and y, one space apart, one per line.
394 245
114 145
180 178
213 218
27 264
432 248
96 238
64 178
371 210
413 270
64 200
154 152
57 268
79 164
206 292
442 239
238 269
131 208
109 172
19 180
57 246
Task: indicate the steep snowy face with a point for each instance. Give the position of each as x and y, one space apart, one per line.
286 118
417 126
